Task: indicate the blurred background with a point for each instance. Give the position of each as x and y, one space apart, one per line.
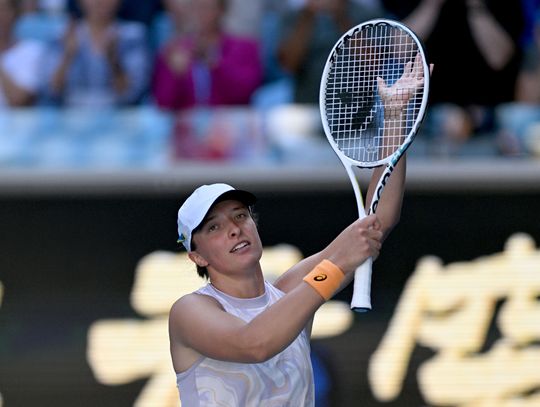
112 111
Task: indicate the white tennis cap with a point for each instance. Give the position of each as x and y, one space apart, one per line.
197 205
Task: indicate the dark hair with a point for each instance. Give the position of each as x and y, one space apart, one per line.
203 271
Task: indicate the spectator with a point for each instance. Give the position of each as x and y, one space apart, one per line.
310 32
243 18
101 62
518 122
172 21
530 11
475 47
20 61
207 66
142 11
277 83
269 34
43 20
528 86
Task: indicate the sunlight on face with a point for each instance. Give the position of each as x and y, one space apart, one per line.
228 238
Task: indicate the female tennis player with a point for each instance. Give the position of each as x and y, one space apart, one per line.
239 340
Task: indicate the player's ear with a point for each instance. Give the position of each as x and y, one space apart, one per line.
198 259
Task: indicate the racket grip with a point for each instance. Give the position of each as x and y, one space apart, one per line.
361 298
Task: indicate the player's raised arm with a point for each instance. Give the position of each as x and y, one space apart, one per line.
395 100
362 237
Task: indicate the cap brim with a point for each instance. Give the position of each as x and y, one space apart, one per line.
245 197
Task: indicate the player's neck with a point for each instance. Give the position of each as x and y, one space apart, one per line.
240 286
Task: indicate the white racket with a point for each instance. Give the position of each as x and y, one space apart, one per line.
373 96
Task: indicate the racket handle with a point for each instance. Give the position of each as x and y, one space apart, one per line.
361 299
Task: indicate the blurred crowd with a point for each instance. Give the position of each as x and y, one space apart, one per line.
179 55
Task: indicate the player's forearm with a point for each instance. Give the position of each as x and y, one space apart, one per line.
290 280
356 243
389 205
276 328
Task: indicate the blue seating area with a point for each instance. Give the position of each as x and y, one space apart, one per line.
270 130
64 138
145 137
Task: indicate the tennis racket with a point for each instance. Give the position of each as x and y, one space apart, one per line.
373 96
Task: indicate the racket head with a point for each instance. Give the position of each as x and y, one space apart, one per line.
351 108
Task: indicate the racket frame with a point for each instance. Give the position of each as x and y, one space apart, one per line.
361 293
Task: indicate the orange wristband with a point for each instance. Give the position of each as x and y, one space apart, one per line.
325 278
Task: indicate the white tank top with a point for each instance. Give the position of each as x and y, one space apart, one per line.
284 380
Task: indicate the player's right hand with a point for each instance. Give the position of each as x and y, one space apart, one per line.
359 241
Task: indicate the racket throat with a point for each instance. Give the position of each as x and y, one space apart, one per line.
379 189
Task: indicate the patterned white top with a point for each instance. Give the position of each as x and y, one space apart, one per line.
284 380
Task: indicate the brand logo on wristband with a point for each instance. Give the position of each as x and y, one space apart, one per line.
320 277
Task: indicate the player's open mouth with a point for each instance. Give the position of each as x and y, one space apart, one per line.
239 246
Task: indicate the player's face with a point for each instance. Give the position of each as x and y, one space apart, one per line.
228 240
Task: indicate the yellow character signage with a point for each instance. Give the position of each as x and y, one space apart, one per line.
450 310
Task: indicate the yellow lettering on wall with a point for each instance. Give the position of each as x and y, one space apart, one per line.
450 309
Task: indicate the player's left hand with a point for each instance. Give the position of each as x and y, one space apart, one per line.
396 97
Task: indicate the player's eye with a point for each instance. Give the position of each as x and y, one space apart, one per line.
212 227
242 215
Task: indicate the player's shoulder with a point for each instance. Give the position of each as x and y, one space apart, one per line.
193 302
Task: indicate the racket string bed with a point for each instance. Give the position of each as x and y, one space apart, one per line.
354 110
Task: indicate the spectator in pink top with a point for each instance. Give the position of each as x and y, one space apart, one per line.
205 66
